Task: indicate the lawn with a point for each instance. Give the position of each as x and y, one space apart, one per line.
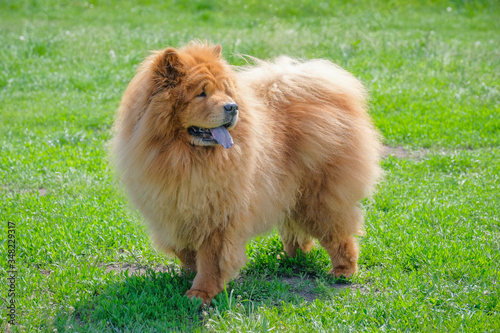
83 259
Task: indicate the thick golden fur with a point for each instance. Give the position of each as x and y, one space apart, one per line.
305 152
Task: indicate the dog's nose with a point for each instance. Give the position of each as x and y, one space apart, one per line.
231 108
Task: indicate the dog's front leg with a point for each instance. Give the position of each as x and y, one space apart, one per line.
208 281
218 259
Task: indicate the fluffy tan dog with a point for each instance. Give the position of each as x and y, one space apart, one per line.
213 157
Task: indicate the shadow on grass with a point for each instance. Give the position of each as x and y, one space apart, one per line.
152 301
147 299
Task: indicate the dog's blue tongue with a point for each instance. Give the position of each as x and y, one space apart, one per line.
221 134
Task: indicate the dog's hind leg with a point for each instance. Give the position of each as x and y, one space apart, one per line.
335 226
294 238
337 238
343 253
187 259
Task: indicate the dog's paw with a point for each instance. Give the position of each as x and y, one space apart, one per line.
205 298
345 271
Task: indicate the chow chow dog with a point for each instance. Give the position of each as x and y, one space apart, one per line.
213 155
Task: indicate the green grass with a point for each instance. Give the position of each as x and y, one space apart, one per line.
429 261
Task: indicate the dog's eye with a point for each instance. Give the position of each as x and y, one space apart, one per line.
203 94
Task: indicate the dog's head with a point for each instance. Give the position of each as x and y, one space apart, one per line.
190 96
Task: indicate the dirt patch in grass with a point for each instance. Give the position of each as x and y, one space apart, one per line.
400 152
310 289
135 269
41 191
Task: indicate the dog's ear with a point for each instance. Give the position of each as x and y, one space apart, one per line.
217 50
169 69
